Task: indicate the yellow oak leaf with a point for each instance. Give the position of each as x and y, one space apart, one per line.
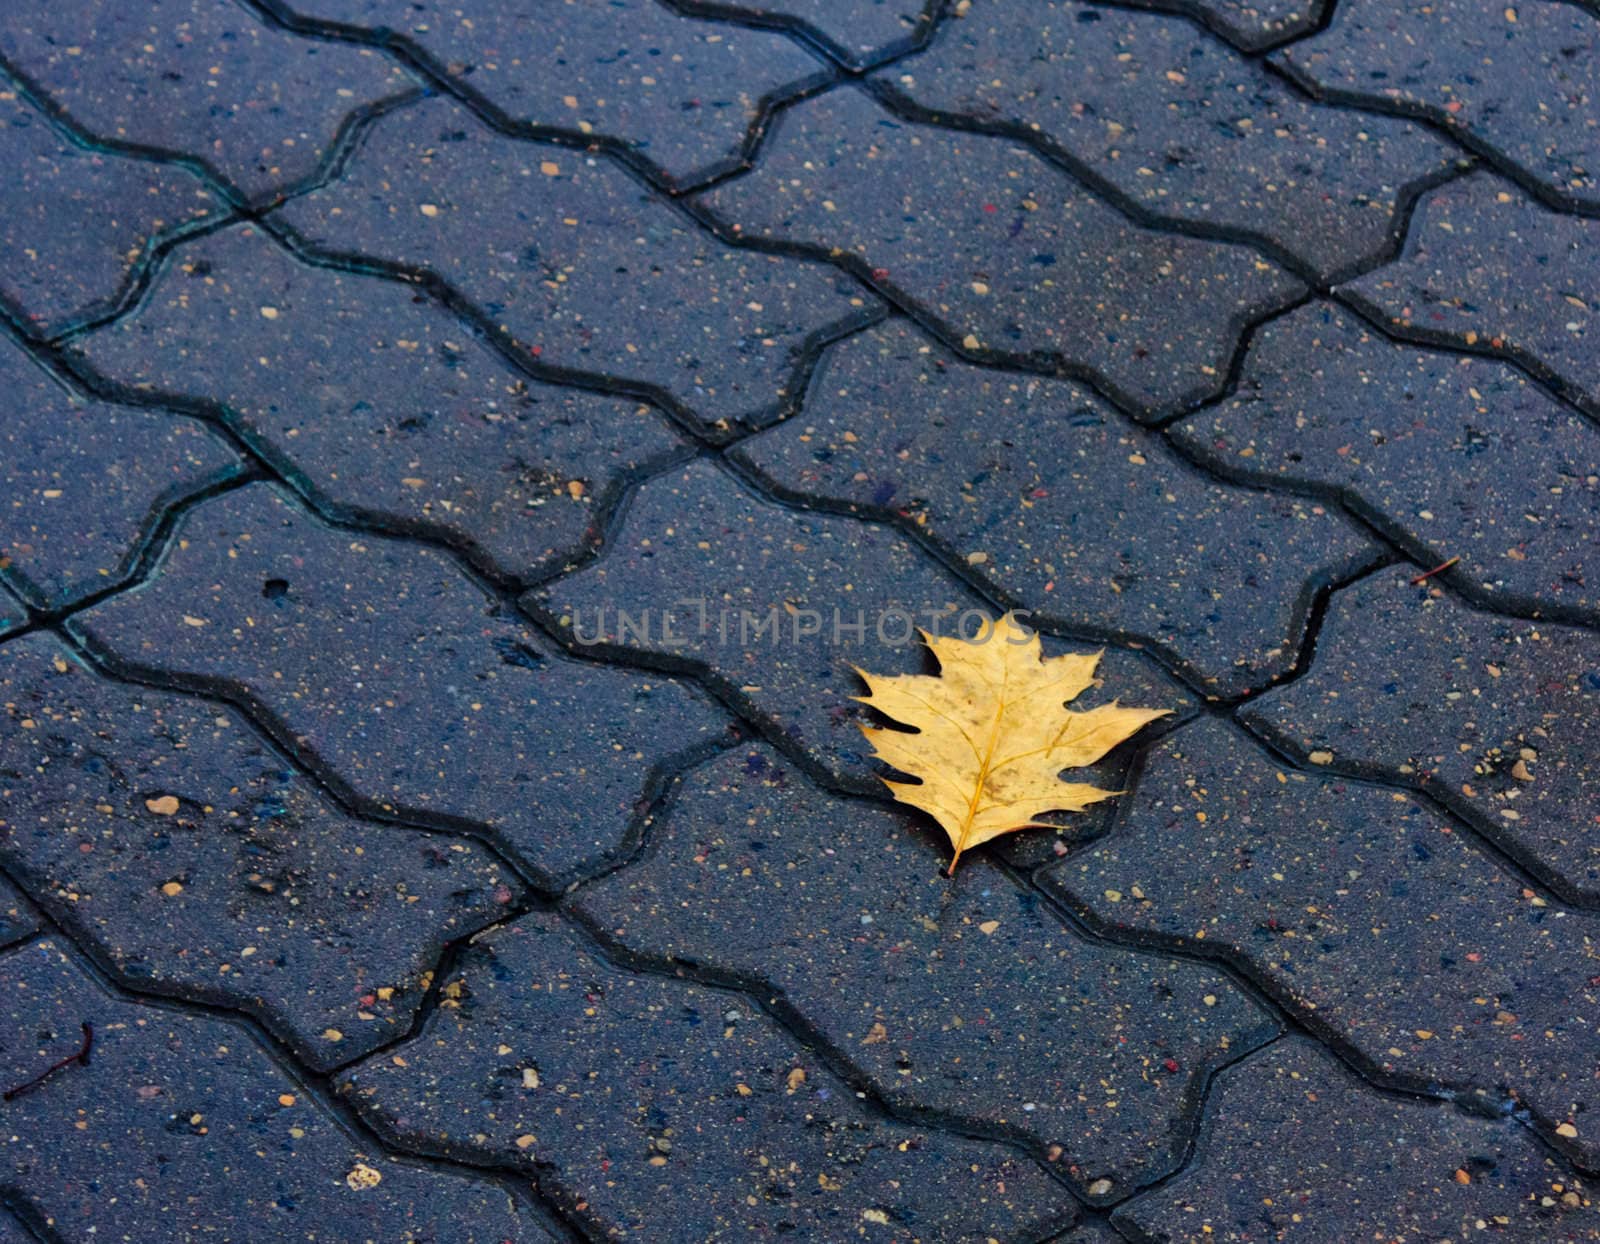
993 733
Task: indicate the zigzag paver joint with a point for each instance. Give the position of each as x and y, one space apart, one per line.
1181 125
680 94
255 105
50 277
364 874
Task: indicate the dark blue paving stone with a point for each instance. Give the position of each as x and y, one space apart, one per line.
402 679
965 997
1487 268
1364 913
1516 78
1097 525
18 919
587 270
682 93
1495 716
655 1109
1248 24
197 78
1090 1233
1296 1148
12 612
391 409
13 1232
77 221
1183 125
86 482
181 1120
763 600
1457 457
1005 252
858 32
160 829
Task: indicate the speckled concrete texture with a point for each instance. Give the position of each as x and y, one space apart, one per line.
13 614
1250 25
1098 527
1182 125
203 81
324 926
684 95
668 1110
386 660
86 482
1493 715
590 274
857 33
18 920
1366 912
1452 456
1489 269
383 403
458 459
1013 258
1330 1159
945 1037
51 277
765 607
182 1128
1517 80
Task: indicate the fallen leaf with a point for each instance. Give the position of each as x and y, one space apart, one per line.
993 733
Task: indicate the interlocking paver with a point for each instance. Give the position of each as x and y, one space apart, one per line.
682 93
492 434
1090 1233
1518 79
1365 913
390 407
655 1109
1004 251
1183 125
180 1128
18 919
965 997
1247 24
858 32
403 680
163 831
1495 716
587 270
86 481
764 599
198 78
1486 267
1456 456
1296 1148
12 612
1098 526
78 222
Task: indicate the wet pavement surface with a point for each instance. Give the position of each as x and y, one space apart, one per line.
455 456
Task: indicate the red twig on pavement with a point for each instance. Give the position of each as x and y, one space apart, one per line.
1439 569
79 1056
